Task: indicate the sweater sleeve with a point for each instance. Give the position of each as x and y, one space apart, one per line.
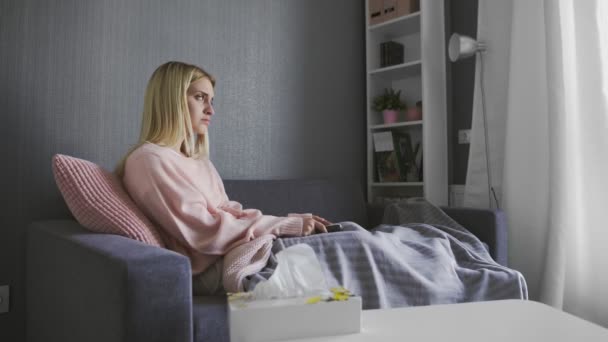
171 199
233 207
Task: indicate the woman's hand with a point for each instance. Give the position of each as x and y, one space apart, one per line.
314 224
322 220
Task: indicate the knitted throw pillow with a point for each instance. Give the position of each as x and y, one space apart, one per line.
98 201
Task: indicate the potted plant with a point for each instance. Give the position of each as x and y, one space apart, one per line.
414 113
389 104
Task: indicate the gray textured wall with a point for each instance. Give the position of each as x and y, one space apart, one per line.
290 98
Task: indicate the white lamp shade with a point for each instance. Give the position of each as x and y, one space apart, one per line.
461 47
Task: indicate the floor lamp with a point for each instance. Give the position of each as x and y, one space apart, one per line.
461 47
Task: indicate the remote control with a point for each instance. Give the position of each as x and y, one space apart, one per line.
336 227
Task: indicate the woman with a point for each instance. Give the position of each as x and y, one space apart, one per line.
170 177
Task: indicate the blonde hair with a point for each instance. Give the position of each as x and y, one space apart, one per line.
166 118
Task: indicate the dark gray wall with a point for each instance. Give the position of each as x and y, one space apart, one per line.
290 97
462 19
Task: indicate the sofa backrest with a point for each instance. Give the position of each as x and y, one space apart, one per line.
334 200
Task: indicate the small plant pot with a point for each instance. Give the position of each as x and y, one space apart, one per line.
413 114
390 116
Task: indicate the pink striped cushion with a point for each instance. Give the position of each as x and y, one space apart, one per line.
98 201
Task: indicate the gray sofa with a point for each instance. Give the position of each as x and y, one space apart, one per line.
84 286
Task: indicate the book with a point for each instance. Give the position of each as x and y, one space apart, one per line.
391 53
397 158
387 159
382 55
394 53
407 156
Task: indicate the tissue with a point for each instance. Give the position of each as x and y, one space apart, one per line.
298 274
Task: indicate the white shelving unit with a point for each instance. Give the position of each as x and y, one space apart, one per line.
421 77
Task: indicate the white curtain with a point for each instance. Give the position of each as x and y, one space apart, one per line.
553 161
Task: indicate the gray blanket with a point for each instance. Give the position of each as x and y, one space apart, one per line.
419 256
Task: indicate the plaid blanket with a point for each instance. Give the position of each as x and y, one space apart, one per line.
419 256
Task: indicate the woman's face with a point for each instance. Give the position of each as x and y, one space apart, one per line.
200 104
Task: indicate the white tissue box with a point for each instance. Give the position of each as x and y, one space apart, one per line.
280 319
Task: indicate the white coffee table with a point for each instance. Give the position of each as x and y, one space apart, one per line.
505 320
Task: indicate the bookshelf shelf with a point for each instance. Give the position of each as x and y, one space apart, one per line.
422 77
398 71
395 125
396 27
391 184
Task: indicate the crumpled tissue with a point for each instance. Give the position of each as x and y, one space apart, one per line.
298 274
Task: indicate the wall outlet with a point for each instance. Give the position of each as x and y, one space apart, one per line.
464 136
4 296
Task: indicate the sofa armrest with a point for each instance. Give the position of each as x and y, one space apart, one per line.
488 225
84 286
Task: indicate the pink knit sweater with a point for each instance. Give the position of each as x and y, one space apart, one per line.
185 197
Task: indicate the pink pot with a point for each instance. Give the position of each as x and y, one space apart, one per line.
413 114
390 115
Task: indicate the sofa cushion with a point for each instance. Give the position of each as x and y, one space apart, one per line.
98 201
